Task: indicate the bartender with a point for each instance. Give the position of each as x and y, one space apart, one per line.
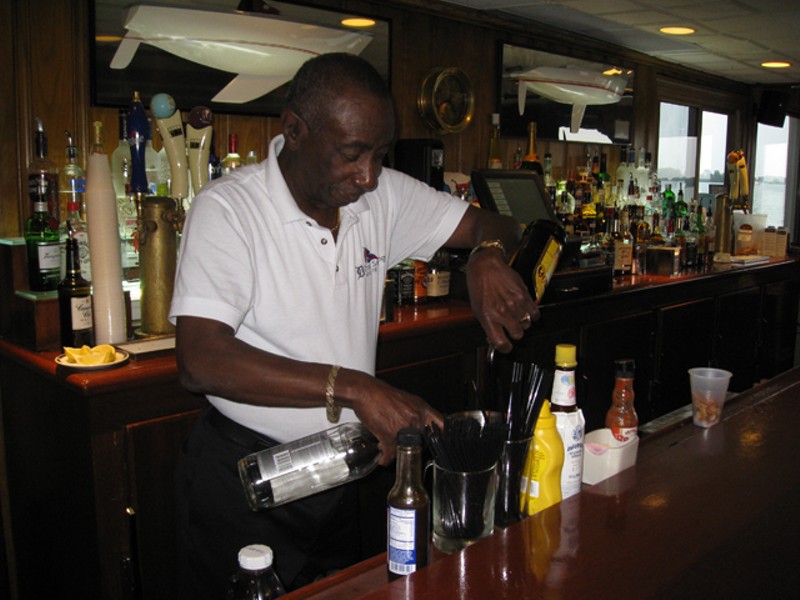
276 304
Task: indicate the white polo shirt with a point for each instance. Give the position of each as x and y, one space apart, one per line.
252 259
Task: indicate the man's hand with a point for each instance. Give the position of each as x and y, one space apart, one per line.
499 298
384 409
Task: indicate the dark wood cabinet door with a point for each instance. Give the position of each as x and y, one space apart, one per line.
152 449
684 339
601 344
738 336
778 327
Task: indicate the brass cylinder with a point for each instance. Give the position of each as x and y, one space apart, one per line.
158 255
723 224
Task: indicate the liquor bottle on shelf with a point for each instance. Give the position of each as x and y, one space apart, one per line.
622 174
621 418
495 160
42 243
232 160
214 163
531 159
569 418
72 200
623 247
438 286
71 181
75 300
309 465
408 507
42 173
681 208
256 579
669 210
251 158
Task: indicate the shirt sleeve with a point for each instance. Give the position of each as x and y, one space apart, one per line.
423 218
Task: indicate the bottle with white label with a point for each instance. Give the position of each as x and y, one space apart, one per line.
570 422
408 509
309 465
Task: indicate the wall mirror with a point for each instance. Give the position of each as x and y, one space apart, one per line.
559 90
197 51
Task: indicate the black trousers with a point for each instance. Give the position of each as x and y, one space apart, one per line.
309 537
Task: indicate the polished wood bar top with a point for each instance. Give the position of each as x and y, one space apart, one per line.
705 513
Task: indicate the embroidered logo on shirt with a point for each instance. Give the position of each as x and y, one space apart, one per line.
371 262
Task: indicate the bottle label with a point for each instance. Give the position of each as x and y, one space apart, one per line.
570 427
81 312
546 266
563 388
402 555
49 254
623 434
438 284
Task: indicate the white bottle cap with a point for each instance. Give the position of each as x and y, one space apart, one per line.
255 557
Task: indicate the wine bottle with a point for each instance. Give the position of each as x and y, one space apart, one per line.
42 172
256 579
232 160
408 507
309 465
43 245
531 160
75 300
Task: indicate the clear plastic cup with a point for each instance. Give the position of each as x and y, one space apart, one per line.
709 388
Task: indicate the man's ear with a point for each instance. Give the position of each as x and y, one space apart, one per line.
294 127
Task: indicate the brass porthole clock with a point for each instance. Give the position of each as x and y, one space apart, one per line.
446 100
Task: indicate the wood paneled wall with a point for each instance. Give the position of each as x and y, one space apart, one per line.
44 47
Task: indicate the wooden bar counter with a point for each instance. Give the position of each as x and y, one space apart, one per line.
87 458
705 513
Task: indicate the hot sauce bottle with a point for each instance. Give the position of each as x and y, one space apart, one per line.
621 418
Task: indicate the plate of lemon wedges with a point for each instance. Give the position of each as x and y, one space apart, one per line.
92 358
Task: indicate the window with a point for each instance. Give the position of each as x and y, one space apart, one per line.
692 146
769 189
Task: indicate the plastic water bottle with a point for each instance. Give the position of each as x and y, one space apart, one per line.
255 579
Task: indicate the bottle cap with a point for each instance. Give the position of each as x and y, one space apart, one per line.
255 557
625 367
565 355
409 436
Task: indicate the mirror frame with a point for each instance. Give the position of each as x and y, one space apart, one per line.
154 71
614 120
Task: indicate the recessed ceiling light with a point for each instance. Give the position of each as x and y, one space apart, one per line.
612 71
107 39
776 64
677 30
358 22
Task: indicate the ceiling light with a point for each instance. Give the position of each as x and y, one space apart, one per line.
358 22
612 71
776 64
107 39
677 30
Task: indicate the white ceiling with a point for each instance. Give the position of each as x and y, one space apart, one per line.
732 37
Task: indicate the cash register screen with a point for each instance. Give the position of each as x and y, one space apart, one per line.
519 194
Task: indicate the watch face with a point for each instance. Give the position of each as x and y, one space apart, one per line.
446 101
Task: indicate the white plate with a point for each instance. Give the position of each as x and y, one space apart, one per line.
121 358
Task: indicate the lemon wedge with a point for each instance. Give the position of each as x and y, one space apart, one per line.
74 353
109 352
86 356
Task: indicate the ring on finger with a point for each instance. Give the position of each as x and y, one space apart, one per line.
526 320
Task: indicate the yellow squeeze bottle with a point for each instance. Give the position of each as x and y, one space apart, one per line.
546 458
